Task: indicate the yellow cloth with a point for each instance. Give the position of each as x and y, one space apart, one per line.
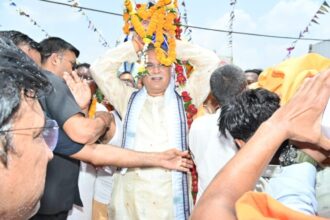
260 206
285 78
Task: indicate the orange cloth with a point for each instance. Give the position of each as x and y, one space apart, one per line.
285 78
260 206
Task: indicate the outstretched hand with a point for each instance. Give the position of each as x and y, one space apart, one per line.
79 89
174 159
301 117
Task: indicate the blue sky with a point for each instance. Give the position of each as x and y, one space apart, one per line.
281 17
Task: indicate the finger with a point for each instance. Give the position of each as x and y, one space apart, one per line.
184 153
303 89
68 79
189 166
324 143
183 169
76 77
188 156
324 91
85 81
67 76
186 163
316 85
190 162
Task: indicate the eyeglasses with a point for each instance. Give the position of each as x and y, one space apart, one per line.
49 132
152 66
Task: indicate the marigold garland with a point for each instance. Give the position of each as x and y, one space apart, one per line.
98 97
161 18
164 24
92 108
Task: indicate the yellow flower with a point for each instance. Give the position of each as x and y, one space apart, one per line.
147 40
126 16
141 69
126 28
139 29
161 22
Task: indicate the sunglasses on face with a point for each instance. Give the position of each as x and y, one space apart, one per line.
49 132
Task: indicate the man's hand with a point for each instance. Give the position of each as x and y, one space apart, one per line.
300 118
105 116
137 43
79 89
174 159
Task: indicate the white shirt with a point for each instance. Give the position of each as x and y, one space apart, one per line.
211 150
294 187
104 178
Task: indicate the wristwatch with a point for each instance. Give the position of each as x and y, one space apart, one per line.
291 155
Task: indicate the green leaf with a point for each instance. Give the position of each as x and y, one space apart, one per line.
187 104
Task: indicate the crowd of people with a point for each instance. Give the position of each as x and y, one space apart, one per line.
90 141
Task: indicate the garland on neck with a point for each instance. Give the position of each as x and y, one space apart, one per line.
98 97
164 26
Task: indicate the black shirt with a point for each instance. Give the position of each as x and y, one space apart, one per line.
61 187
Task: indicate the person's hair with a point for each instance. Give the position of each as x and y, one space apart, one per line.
18 74
243 114
20 39
87 65
256 71
125 73
227 81
55 45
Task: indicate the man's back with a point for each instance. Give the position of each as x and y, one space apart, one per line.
211 150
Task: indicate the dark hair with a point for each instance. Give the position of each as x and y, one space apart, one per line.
18 73
87 65
227 81
243 114
20 39
55 45
256 71
125 73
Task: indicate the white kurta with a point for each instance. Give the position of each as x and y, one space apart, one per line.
104 179
147 193
211 150
88 180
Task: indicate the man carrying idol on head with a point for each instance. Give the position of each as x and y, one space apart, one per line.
154 116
